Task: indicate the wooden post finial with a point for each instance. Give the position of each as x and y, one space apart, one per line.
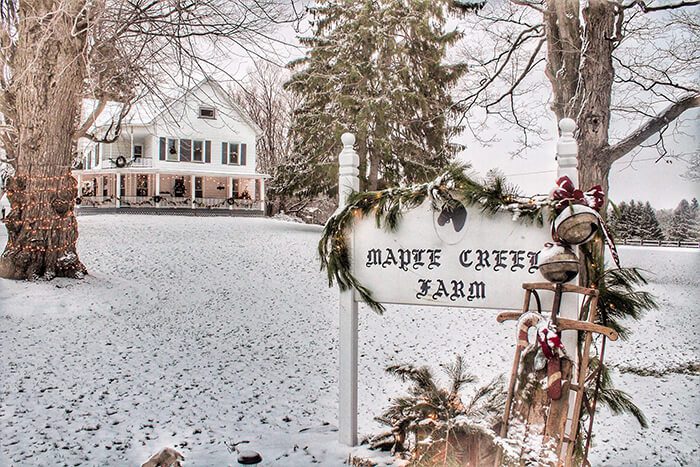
567 151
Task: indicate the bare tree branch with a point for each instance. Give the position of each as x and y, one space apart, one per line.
649 8
651 127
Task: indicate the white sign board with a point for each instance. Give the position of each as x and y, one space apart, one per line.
474 261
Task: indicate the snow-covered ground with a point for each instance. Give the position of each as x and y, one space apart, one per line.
199 333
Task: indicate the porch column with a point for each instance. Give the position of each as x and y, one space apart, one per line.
157 188
262 194
230 191
80 185
118 192
192 189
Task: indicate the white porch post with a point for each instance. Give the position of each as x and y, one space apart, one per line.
348 182
80 185
157 188
262 195
230 191
118 193
192 189
567 164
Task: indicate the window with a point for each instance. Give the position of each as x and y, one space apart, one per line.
172 153
233 153
185 150
105 186
198 151
138 151
207 112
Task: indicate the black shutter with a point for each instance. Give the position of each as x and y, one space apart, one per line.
224 155
185 150
207 151
244 151
161 149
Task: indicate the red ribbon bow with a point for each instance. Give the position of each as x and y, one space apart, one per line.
549 343
566 194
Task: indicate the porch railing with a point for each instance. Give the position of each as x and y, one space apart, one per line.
166 202
136 201
98 201
139 162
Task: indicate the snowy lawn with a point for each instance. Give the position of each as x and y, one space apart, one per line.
202 332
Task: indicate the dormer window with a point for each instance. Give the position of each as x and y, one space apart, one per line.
207 112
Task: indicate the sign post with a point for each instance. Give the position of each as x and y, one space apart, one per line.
348 182
567 164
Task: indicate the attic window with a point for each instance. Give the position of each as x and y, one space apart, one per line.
207 112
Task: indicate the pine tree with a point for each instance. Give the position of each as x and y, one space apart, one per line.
375 68
650 224
683 224
695 224
635 219
618 221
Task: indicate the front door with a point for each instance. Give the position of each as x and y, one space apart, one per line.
198 184
142 185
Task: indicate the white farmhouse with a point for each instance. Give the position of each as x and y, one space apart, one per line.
197 152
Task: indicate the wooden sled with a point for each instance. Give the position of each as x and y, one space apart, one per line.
554 422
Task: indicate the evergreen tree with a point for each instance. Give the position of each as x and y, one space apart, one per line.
649 226
375 68
616 220
695 225
683 224
633 219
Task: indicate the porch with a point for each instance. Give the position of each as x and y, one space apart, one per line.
169 191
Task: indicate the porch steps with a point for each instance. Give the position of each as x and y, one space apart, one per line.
201 212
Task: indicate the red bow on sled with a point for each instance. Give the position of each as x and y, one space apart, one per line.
549 343
565 193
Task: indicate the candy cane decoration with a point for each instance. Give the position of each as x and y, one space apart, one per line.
551 346
526 321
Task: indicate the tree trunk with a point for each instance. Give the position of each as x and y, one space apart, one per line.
48 73
580 69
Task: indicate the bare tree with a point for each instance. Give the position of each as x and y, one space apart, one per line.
56 52
263 96
633 62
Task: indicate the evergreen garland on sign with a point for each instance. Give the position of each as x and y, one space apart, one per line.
388 206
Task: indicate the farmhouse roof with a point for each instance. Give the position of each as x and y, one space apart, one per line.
145 112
